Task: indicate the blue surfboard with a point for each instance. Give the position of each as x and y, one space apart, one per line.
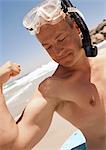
76 141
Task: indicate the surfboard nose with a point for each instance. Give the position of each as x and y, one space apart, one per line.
76 141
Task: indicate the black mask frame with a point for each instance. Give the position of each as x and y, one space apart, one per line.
90 50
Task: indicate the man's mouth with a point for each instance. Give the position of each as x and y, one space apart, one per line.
65 55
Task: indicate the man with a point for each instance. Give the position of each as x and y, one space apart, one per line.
76 90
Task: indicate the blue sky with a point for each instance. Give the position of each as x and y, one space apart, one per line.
18 45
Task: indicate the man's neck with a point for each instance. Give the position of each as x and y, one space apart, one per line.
82 65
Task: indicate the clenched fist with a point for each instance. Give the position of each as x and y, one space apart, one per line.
7 71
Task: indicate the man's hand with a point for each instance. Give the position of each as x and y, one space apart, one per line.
7 71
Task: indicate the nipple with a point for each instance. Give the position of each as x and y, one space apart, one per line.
92 101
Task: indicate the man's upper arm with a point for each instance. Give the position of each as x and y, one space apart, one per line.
34 123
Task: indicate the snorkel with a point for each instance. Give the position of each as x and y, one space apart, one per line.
52 12
90 50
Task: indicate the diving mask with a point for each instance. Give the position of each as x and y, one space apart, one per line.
52 12
49 12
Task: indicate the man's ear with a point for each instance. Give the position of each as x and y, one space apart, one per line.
76 26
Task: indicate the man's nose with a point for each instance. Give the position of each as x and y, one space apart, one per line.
57 47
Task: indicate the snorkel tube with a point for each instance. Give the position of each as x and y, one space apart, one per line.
90 50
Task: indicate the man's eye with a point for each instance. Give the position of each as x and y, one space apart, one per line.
61 39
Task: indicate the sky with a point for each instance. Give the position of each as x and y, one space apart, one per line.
16 44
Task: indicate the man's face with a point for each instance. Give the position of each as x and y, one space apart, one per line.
61 41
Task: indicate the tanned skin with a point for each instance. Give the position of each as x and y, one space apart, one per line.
78 85
76 91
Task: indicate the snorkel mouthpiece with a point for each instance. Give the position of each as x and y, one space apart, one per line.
90 50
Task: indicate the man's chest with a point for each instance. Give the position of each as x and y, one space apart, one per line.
86 110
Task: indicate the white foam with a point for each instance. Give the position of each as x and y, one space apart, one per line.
21 91
44 69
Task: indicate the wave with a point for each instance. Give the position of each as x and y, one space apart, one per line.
19 92
39 72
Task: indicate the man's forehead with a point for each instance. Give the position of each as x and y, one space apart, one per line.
47 31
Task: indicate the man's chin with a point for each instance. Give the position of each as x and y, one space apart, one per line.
67 65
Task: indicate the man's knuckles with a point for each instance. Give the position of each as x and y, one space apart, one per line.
9 65
12 68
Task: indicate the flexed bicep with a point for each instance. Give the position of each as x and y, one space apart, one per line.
34 124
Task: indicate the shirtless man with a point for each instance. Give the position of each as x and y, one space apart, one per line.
76 91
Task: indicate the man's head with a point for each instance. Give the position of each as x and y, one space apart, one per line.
61 41
57 32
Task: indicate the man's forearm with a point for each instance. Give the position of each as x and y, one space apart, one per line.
8 128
